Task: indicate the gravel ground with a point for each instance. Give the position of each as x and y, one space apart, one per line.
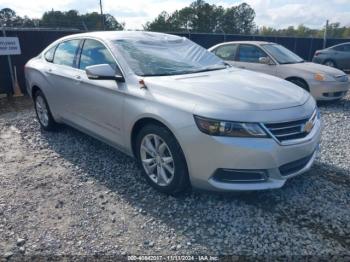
65 193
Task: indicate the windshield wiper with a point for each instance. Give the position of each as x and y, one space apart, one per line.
205 69
165 74
294 62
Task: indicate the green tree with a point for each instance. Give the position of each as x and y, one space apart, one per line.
72 19
200 16
238 19
9 18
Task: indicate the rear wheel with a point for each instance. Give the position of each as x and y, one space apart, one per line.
161 159
43 112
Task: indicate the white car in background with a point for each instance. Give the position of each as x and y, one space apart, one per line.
323 82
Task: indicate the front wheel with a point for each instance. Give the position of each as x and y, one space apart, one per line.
161 159
300 83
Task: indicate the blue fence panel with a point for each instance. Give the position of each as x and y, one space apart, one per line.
33 41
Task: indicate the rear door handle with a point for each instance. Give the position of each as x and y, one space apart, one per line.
49 70
78 78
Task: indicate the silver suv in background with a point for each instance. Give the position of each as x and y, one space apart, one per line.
183 113
335 56
323 82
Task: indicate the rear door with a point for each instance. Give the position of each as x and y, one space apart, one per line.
248 58
98 103
61 76
343 57
227 52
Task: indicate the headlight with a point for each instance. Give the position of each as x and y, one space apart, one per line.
226 128
323 77
319 77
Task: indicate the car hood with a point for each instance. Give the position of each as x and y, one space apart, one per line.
315 68
230 88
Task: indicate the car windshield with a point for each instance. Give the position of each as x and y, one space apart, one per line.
159 57
282 54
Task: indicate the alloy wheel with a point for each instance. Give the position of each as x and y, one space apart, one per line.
157 160
330 63
42 111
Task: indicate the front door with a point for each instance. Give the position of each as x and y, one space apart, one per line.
248 58
99 103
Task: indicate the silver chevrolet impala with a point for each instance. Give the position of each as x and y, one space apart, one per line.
186 116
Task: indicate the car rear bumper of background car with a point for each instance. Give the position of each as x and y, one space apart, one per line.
330 90
239 164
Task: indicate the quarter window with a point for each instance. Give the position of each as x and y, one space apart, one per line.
250 53
226 52
50 54
95 53
65 53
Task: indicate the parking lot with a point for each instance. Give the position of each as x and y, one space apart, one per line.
65 193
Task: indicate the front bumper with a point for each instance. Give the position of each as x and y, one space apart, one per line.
328 90
206 154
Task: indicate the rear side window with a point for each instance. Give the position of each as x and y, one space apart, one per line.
226 52
347 48
95 53
65 53
339 48
250 53
343 48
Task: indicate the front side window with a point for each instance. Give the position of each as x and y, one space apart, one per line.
282 54
226 52
95 53
159 56
65 53
250 53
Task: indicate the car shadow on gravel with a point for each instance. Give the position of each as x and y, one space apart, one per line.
208 218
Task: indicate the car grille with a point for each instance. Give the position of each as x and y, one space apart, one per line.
295 166
292 130
342 78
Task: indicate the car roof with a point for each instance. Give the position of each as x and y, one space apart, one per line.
248 42
346 43
118 35
241 42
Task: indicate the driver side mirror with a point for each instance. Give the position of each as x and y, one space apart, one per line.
266 60
104 72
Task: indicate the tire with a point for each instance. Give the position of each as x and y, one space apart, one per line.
43 112
167 157
299 82
330 63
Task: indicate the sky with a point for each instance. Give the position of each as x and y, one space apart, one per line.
135 13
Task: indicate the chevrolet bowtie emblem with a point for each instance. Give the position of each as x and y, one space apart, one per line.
308 127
